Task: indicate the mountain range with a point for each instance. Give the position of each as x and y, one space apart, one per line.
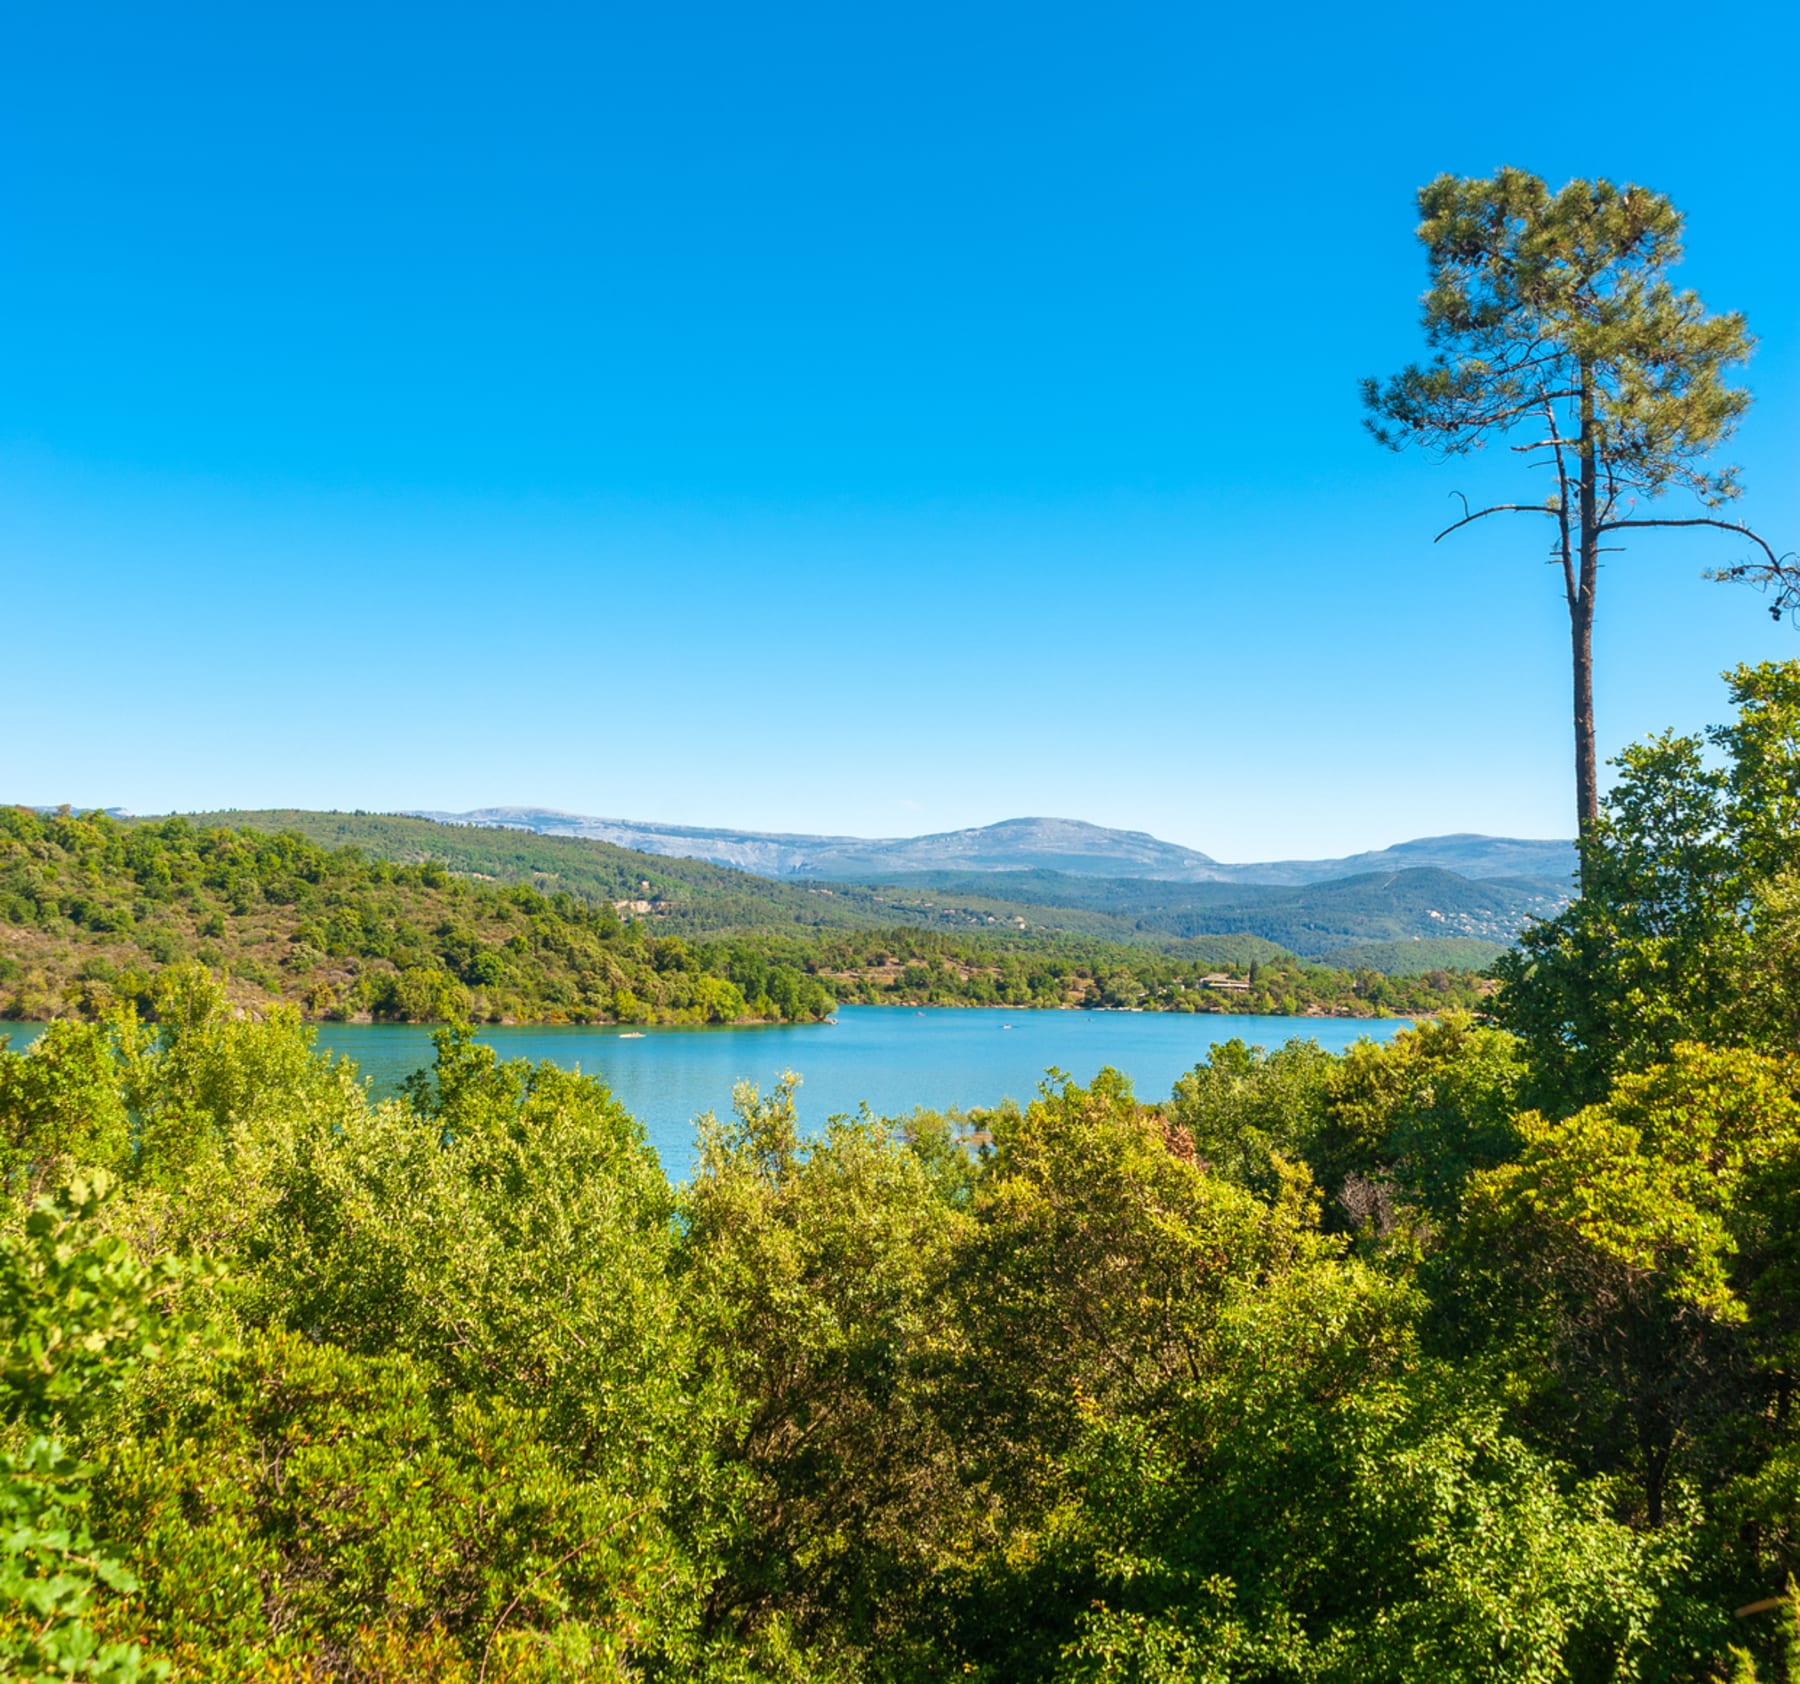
1403 917
1069 846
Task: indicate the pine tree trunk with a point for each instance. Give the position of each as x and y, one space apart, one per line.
1587 780
1581 621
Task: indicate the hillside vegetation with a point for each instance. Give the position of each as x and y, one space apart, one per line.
91 910
1411 958
689 896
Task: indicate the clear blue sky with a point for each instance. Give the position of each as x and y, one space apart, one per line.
843 418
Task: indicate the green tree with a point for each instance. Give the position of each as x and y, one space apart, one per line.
298 1506
1221 1455
483 1269
1244 1108
79 1314
1103 1256
817 1273
1417 1115
1316 1517
61 1106
1551 316
1644 1225
510 1228
1685 928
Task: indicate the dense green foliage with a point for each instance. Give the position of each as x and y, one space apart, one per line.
1690 926
92 910
1468 1356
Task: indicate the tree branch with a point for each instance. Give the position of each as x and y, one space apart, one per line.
1777 573
1723 525
1497 509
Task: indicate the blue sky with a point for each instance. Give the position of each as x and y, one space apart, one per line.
854 419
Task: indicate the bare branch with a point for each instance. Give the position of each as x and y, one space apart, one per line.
1723 525
1497 509
1776 574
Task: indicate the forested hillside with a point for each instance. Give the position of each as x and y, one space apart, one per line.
1409 958
692 898
689 896
91 910
1467 1358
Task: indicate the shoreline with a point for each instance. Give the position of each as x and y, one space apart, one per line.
624 1028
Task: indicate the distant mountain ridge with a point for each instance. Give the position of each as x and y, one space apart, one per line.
1070 846
1478 858
1405 921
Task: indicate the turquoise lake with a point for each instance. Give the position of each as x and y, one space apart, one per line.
893 1057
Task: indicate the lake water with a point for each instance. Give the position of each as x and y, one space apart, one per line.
893 1057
